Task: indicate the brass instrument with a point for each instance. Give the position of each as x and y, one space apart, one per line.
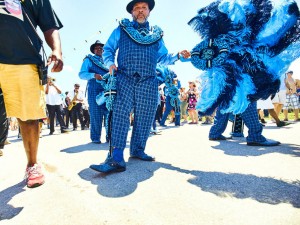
73 102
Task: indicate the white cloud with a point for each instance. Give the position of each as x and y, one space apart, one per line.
68 68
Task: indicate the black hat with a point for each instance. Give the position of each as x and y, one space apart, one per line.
93 45
130 5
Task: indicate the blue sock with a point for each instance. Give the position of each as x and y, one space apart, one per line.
118 154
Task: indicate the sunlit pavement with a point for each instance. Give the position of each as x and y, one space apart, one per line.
194 181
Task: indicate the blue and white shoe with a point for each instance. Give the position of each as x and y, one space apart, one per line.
142 156
109 166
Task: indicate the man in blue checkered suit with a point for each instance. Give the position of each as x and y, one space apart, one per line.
140 47
250 118
93 69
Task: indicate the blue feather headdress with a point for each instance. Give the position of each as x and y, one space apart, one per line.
246 47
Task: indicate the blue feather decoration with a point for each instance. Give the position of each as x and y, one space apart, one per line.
246 46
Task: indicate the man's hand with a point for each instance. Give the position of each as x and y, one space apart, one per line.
56 58
186 54
98 76
53 40
112 69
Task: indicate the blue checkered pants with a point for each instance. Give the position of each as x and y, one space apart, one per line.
98 114
250 118
140 94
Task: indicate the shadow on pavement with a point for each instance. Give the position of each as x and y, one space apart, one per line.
262 189
87 147
276 128
8 211
236 148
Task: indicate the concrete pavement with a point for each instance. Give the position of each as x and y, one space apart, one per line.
194 181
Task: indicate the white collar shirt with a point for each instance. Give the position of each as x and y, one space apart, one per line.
53 97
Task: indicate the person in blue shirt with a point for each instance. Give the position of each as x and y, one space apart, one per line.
93 69
140 47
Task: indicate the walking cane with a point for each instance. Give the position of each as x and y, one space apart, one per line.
111 92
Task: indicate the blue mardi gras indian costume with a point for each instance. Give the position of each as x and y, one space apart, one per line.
140 47
246 47
167 76
93 64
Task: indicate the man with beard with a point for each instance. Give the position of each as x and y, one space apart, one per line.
140 47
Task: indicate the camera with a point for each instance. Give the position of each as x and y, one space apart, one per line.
43 74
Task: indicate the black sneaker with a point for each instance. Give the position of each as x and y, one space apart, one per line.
282 124
63 131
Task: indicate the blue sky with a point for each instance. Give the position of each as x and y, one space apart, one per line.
83 19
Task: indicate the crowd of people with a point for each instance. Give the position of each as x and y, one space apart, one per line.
131 56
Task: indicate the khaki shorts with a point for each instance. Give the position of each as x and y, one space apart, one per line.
280 97
24 97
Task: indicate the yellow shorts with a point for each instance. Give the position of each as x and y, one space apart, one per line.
24 97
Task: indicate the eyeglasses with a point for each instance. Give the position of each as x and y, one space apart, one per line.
98 48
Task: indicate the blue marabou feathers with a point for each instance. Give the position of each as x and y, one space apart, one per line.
246 46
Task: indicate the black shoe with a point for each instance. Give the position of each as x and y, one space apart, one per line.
220 138
63 131
75 128
282 124
263 121
82 128
51 133
267 143
142 156
96 142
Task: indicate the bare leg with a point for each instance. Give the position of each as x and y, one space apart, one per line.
285 113
296 111
261 114
274 115
195 116
191 115
30 136
277 108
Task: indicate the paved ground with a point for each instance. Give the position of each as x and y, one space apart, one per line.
193 182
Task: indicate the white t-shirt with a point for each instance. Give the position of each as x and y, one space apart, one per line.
80 95
53 97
